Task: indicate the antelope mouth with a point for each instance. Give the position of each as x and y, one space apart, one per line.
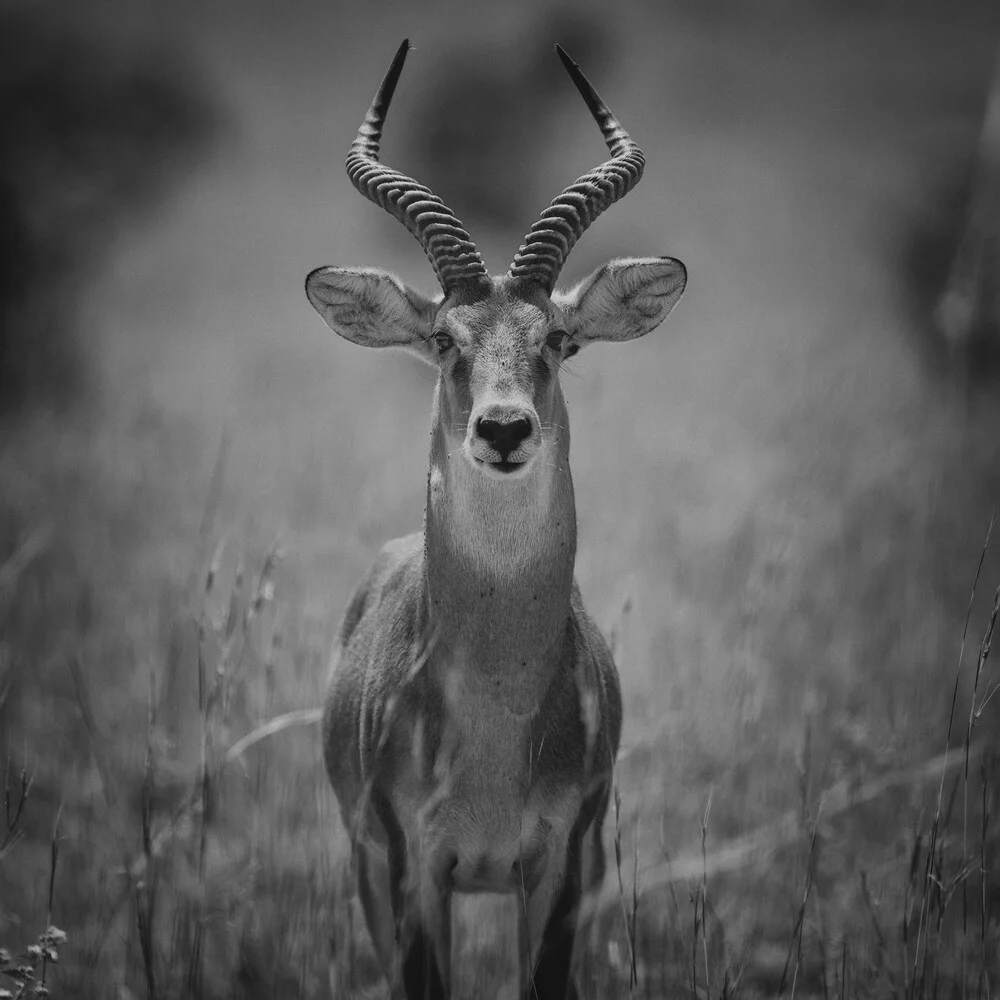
502 470
507 467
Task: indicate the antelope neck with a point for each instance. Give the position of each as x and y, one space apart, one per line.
499 563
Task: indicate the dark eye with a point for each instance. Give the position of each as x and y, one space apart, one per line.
555 339
444 341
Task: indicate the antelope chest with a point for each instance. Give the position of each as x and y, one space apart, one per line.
488 820
490 839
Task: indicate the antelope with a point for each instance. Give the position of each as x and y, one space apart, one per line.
474 711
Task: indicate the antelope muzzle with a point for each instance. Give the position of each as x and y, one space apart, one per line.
503 439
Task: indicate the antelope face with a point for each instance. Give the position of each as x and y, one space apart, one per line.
499 361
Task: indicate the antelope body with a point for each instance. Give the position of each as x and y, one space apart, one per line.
474 710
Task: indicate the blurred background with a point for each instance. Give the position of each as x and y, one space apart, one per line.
783 494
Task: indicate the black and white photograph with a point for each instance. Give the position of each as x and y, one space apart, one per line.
330 670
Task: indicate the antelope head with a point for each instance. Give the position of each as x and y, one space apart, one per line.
498 342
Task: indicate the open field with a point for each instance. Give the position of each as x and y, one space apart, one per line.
783 497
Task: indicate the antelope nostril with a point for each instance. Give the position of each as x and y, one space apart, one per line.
504 436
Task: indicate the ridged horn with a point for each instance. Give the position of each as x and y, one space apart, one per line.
549 241
448 246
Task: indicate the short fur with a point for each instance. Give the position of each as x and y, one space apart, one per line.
474 710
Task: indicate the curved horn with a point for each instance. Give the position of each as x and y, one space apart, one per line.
448 246
550 239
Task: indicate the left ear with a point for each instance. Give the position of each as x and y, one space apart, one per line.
622 300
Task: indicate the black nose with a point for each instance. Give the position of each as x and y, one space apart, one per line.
505 437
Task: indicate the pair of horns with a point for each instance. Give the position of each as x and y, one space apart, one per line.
448 246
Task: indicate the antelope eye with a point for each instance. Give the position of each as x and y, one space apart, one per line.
444 342
555 339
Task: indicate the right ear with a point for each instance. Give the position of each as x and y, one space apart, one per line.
373 308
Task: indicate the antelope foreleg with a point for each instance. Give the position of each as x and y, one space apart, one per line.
548 928
424 941
551 914
421 909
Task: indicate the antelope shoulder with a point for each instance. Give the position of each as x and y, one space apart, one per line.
370 662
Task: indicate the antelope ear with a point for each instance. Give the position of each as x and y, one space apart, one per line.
373 308
622 300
